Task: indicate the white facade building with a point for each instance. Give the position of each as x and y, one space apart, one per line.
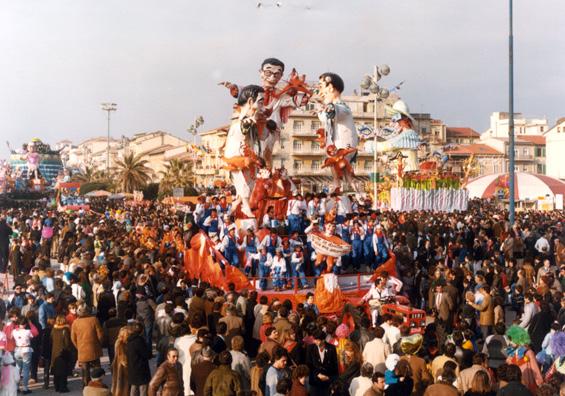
499 125
555 149
151 146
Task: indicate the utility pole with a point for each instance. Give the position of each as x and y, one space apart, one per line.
108 107
511 143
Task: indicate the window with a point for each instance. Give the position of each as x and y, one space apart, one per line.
315 125
524 168
297 145
424 130
541 169
495 168
316 165
368 165
297 165
315 146
525 151
297 126
541 128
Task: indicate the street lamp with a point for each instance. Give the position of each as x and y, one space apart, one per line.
108 107
370 83
193 129
198 122
511 186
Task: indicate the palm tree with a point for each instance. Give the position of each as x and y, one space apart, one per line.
132 173
176 174
88 175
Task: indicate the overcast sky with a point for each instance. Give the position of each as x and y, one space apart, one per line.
160 60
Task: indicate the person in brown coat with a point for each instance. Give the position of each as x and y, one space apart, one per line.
299 376
120 381
442 305
233 321
445 386
168 377
271 341
87 336
486 311
420 373
200 372
282 323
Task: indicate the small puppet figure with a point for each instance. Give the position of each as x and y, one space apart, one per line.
337 160
329 233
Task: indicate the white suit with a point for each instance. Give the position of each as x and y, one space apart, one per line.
183 344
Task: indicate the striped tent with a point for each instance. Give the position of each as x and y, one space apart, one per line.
528 186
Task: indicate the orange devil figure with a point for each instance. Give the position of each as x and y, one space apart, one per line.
337 159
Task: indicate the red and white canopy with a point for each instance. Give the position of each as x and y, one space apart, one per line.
528 186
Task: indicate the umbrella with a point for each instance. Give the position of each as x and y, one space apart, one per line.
97 193
120 196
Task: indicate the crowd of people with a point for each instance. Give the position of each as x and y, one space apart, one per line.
112 282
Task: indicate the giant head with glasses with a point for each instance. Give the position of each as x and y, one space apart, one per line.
271 72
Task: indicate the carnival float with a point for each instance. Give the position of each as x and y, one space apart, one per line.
258 115
34 167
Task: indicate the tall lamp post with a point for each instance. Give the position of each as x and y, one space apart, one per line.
108 108
511 145
193 129
370 83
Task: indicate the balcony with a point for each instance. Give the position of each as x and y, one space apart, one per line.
303 133
524 157
308 151
309 171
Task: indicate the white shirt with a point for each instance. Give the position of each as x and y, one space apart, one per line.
542 245
183 344
359 385
269 260
375 352
313 209
295 207
393 285
322 353
392 335
22 337
340 208
78 292
376 293
295 260
279 262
